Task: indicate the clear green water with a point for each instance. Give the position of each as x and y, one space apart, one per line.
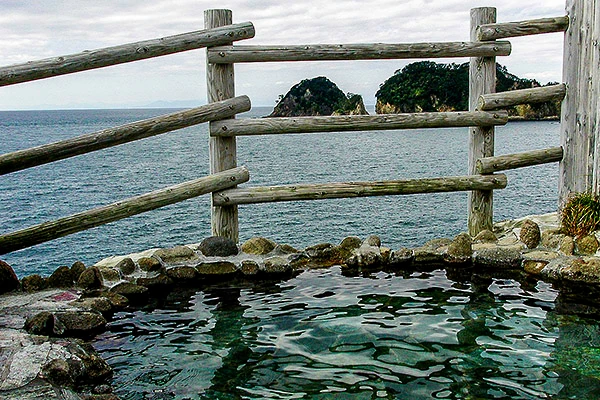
324 335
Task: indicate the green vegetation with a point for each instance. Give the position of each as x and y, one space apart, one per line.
580 215
350 104
429 86
316 96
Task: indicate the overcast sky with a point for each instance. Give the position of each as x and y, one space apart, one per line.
31 30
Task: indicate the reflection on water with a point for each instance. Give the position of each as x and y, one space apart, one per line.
324 335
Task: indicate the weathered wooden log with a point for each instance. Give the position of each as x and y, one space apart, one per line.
522 28
320 191
374 51
220 84
492 101
125 53
47 153
339 123
102 215
482 80
579 170
489 165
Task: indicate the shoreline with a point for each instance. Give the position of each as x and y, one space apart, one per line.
46 331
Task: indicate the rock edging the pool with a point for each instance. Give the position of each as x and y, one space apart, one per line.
41 318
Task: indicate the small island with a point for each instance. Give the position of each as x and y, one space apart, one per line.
423 86
318 96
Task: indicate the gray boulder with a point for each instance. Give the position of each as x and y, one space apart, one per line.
217 246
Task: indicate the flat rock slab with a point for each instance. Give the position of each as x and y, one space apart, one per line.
23 356
15 308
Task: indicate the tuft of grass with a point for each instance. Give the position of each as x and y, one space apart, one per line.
580 215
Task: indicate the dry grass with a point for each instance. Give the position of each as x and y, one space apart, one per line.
580 215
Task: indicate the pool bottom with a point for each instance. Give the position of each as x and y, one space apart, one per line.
323 335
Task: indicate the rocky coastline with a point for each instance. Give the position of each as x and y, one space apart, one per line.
46 323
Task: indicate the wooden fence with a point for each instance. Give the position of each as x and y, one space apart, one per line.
485 112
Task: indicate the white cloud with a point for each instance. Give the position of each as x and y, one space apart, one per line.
40 29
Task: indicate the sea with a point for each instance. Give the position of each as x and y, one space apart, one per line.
73 185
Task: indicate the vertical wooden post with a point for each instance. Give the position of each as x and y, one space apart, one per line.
482 79
220 85
580 117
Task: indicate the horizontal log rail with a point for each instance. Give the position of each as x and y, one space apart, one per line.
522 28
322 191
489 165
125 53
340 123
374 51
102 215
492 101
47 153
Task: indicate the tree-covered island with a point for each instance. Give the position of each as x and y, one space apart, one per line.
418 87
